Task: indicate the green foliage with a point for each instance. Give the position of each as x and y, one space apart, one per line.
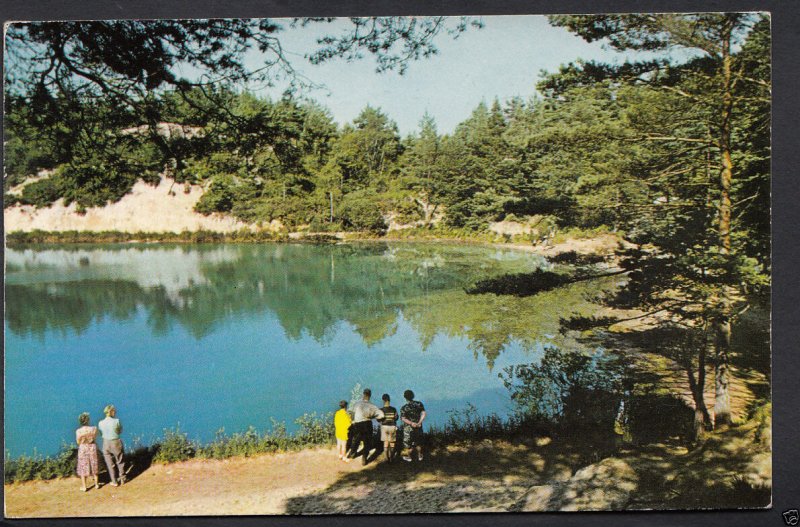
218 197
24 468
366 152
292 211
566 386
24 158
124 91
41 193
174 447
314 429
243 444
359 211
468 425
94 185
762 415
320 225
443 232
580 233
476 164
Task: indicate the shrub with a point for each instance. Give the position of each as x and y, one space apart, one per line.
175 447
218 197
573 258
315 430
359 211
247 443
94 183
320 225
241 236
26 468
41 193
239 444
468 425
407 211
9 200
580 233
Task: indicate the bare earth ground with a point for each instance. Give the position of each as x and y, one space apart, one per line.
529 474
309 481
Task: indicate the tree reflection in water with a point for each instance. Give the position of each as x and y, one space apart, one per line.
309 289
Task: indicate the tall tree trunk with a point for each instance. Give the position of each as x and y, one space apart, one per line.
701 417
722 403
697 386
722 396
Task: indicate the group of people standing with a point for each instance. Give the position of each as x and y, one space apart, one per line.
354 428
113 450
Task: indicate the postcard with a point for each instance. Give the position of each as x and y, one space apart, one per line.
387 265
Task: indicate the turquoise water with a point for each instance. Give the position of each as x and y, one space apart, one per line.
228 335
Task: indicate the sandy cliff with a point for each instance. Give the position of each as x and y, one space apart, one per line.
166 207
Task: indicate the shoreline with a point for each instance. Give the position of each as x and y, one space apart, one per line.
598 244
523 473
313 431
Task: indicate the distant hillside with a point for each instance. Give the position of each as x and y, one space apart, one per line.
147 208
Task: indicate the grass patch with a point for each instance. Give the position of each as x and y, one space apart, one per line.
468 425
240 236
439 233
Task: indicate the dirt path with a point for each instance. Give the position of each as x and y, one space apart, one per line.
305 482
258 485
490 476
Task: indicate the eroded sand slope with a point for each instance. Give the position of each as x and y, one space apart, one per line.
166 207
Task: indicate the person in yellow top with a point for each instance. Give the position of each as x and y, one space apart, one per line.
341 422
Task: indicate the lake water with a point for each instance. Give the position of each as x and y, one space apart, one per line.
229 335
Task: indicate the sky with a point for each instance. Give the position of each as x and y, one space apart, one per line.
502 60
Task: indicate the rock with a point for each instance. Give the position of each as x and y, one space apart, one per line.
538 498
606 485
560 473
509 228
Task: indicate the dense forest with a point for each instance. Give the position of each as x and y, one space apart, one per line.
672 151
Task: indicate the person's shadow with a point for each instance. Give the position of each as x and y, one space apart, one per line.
373 450
136 462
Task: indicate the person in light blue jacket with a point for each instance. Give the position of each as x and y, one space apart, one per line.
113 449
